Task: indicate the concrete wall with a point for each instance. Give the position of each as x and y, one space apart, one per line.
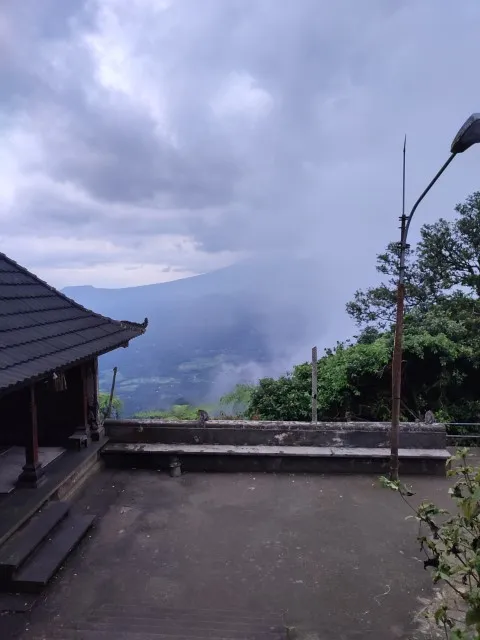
324 434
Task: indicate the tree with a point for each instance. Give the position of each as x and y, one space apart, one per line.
375 307
445 262
287 398
449 252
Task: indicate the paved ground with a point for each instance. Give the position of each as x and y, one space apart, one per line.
332 554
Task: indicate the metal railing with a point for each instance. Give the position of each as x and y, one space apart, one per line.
463 433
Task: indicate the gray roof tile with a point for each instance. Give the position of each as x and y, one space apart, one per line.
41 330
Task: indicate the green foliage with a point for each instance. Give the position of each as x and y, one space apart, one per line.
345 376
237 401
451 544
117 405
287 398
445 262
375 307
176 412
348 376
440 372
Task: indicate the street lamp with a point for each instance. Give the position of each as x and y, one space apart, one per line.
468 135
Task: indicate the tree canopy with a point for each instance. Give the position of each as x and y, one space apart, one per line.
445 262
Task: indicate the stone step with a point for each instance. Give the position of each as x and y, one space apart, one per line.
45 562
270 458
17 549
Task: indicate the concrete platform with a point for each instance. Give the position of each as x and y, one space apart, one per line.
13 459
278 459
63 476
334 557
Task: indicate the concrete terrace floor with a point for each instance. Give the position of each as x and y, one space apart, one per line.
335 554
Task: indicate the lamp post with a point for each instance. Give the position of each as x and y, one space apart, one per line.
468 135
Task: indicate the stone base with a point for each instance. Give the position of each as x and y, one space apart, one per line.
79 440
32 476
97 434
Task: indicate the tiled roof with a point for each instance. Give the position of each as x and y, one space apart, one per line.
41 330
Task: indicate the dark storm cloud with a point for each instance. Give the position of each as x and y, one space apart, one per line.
260 126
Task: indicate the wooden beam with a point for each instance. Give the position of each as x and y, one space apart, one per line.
32 474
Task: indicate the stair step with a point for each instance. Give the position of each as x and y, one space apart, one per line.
39 570
22 544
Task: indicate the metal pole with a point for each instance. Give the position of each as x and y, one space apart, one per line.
110 400
314 386
397 358
398 343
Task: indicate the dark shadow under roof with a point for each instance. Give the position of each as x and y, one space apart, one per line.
41 330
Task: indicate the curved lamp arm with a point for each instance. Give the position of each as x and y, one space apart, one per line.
414 208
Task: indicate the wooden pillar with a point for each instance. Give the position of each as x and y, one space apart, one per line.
314 385
32 474
80 438
84 426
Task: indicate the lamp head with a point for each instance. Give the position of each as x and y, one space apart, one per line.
468 135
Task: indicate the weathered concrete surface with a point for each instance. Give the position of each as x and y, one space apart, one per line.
335 555
271 433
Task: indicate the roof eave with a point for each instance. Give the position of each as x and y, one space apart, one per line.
75 363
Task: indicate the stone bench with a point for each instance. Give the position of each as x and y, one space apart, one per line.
271 458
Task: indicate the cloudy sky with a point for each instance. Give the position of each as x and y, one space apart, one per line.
144 140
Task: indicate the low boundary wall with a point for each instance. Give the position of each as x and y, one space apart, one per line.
268 433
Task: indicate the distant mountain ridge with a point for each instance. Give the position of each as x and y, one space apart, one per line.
201 330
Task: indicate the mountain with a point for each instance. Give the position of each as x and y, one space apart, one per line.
205 332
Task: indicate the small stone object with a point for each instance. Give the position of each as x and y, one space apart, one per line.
429 417
175 467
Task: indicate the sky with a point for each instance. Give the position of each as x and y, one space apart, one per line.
147 140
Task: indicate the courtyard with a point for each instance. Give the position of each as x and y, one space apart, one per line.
238 556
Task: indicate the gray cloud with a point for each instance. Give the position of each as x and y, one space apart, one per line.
243 127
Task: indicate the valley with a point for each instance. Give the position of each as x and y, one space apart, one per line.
205 334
